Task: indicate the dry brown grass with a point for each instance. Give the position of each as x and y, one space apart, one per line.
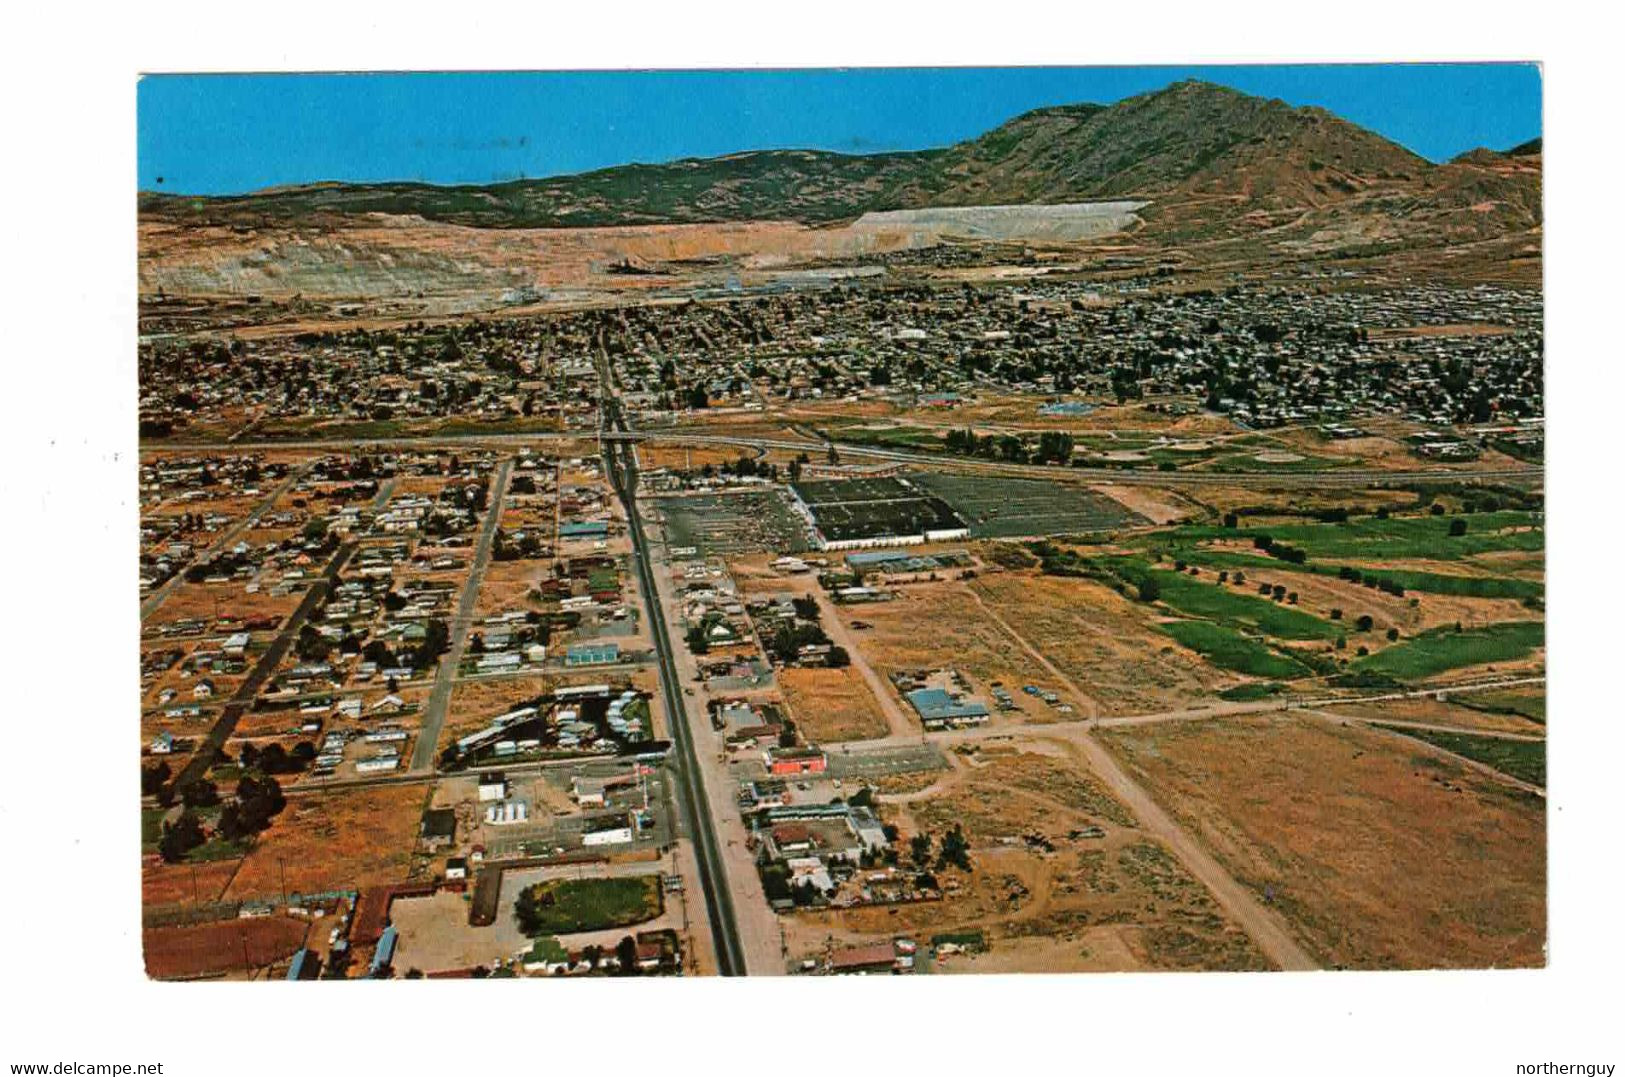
1379 856
832 705
685 457
504 585
943 625
1433 712
1121 901
209 600
221 947
185 884
1102 641
474 703
332 841
1319 595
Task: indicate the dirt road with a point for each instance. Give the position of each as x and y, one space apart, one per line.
1267 929
1264 926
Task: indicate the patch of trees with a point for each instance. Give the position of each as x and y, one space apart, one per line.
153 779
527 547
436 642
259 800
311 645
1280 550
181 837
1380 583
788 640
198 793
274 759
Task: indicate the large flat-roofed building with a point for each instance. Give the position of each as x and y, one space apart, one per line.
613 829
939 710
807 760
853 514
593 654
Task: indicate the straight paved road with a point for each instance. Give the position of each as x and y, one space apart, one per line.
708 854
621 468
434 714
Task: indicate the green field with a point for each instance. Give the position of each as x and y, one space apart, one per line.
1442 649
562 906
1252 690
1525 704
1192 596
1522 759
1368 538
1433 583
1248 463
218 848
1229 649
913 438
152 826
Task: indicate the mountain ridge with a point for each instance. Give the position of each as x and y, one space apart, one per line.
1193 149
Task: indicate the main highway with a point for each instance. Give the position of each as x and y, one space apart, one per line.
620 465
1277 479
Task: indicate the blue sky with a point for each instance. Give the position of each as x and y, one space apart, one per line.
218 134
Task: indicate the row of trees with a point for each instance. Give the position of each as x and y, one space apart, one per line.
1053 446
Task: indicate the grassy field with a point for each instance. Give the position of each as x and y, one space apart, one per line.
1442 649
1523 759
1369 538
1245 463
562 906
1529 704
1221 603
152 826
1433 583
1229 649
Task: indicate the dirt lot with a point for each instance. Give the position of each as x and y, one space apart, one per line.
210 600
684 457
1377 855
338 840
185 884
220 948
1158 506
931 626
1102 641
1121 901
831 705
504 585
474 703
